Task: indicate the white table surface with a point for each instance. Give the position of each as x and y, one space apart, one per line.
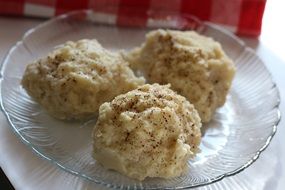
25 170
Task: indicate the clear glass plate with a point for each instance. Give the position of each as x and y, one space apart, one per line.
232 141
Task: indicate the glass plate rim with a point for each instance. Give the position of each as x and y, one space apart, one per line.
41 154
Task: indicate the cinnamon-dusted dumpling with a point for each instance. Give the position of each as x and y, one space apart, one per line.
76 78
148 132
196 67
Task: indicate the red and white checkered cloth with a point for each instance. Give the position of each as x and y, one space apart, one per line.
239 16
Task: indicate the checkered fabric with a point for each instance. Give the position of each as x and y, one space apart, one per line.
243 17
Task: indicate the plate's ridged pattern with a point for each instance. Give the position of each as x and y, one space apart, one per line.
239 131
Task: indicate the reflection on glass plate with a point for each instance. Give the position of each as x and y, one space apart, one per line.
233 140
